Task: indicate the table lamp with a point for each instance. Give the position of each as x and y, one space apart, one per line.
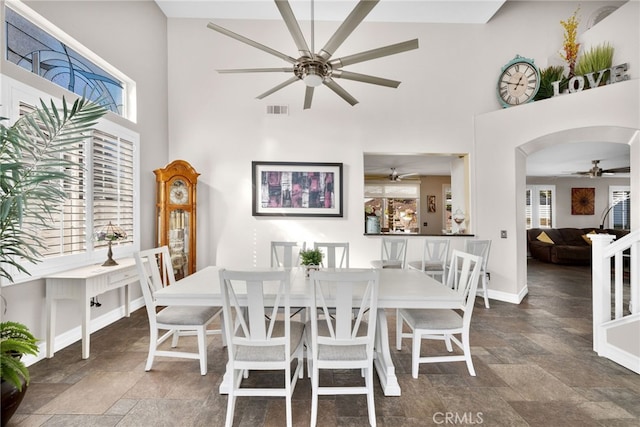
110 233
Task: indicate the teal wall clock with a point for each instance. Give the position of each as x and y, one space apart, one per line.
519 82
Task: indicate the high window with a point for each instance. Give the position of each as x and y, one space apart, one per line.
540 208
50 56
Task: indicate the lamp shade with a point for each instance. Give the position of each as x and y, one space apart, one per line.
110 233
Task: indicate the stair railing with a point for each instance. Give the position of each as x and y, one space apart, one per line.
606 306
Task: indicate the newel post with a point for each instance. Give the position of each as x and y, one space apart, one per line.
600 283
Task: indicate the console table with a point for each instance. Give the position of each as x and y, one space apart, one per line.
81 284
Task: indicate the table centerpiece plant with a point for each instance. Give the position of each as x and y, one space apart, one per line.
311 259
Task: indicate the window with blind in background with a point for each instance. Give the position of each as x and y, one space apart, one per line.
620 201
539 209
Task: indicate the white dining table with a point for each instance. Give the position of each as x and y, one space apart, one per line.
398 288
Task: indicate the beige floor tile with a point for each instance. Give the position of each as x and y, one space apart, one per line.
94 394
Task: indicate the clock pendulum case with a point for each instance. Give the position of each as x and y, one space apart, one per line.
176 214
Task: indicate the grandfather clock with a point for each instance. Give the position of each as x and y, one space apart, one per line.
176 214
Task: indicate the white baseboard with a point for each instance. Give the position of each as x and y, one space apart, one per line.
508 297
74 335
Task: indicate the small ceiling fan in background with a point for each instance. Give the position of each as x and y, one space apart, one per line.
316 69
396 177
597 171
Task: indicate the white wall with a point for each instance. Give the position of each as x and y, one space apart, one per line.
433 185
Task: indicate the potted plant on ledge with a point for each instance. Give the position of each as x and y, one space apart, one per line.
31 192
311 259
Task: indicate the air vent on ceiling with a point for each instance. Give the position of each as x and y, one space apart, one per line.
278 110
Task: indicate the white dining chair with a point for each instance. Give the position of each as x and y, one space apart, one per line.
393 253
481 248
156 272
444 324
336 255
258 343
285 254
435 255
340 340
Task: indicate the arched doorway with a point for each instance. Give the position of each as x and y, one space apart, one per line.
583 142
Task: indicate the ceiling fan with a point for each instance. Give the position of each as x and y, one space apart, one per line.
597 171
316 69
396 177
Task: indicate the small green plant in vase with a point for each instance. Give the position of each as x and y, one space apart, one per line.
311 259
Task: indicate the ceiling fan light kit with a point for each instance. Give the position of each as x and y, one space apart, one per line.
315 69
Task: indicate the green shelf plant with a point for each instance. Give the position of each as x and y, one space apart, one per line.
549 75
599 57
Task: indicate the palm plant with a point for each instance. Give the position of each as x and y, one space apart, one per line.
32 167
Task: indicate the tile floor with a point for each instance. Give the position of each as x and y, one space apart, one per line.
534 365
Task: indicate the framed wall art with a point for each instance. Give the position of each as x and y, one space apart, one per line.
582 201
431 204
297 189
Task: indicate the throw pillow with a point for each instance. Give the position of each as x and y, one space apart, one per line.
586 238
543 237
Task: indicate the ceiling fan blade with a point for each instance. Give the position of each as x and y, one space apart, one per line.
308 97
624 169
341 74
277 88
380 52
294 28
340 91
250 42
354 19
256 70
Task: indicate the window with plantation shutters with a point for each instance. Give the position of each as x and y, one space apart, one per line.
539 209
100 180
68 223
106 179
112 182
620 201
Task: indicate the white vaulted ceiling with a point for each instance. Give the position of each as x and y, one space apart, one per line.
558 161
420 11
